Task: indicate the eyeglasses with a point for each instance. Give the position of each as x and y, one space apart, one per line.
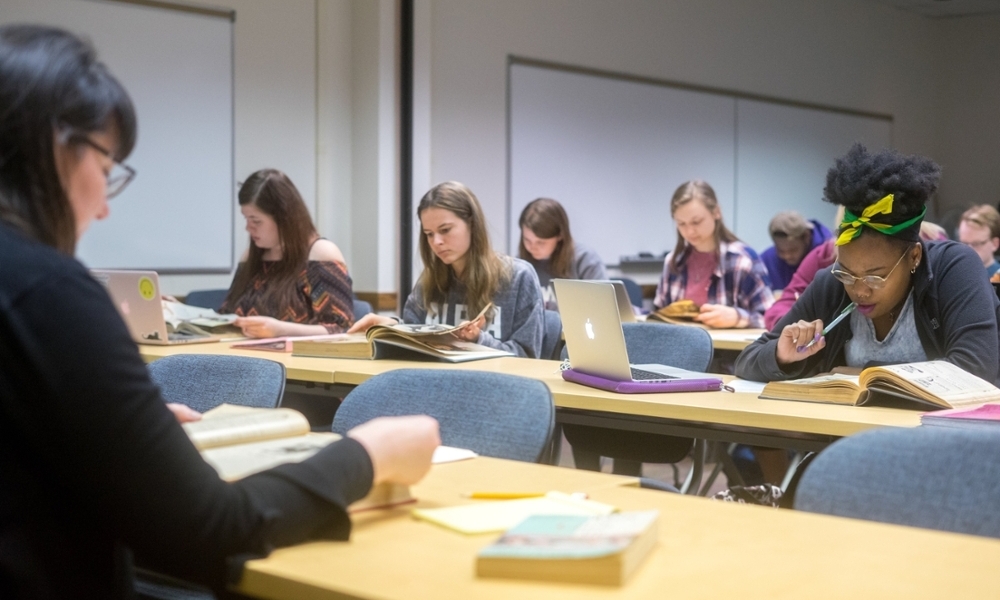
120 176
871 281
977 245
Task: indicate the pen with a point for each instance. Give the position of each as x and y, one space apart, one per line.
502 495
850 308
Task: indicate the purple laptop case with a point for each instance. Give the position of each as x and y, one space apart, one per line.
706 384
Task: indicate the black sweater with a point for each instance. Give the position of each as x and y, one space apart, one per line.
955 309
93 465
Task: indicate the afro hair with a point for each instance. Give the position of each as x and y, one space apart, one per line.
860 179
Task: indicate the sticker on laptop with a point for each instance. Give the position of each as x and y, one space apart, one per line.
147 289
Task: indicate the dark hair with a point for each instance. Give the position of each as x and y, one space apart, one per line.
547 219
51 83
485 272
275 195
699 190
860 179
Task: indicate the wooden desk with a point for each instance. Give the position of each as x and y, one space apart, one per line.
706 550
717 416
733 339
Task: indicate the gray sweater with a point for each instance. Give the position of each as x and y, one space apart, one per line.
518 321
586 265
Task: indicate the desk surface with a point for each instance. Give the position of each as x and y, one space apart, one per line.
706 550
733 339
722 409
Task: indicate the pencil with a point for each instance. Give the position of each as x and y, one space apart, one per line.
850 308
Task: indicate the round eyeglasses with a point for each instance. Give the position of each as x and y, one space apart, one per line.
871 281
120 175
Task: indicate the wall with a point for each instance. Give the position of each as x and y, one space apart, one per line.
968 140
837 52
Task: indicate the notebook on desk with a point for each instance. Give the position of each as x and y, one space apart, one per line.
596 346
136 295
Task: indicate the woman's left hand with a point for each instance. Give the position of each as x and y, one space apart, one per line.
719 316
469 330
183 413
260 327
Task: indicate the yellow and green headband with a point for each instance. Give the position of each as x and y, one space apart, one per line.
850 227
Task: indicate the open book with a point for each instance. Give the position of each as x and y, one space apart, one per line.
603 550
398 341
239 441
681 312
937 383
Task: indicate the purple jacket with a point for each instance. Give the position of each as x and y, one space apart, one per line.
780 271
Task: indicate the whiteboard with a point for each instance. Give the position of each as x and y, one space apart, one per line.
177 215
612 150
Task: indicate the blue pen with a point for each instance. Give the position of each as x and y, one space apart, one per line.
850 308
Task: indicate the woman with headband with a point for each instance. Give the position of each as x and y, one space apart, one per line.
914 300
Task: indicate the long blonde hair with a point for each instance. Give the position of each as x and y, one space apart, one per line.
701 191
485 271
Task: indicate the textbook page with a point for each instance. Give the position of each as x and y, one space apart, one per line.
227 425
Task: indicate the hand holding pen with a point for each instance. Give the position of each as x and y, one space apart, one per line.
801 340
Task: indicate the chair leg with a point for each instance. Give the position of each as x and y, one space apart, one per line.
692 484
724 464
793 466
553 451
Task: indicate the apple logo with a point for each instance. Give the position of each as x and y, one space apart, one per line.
125 308
589 328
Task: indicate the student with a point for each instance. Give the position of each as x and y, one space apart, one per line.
290 281
547 244
793 238
711 266
95 467
979 229
462 274
821 257
916 301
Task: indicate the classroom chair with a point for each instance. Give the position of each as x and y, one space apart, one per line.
493 414
361 308
633 290
552 341
206 298
204 381
930 477
679 346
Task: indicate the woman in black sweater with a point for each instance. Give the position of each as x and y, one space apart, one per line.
95 467
915 300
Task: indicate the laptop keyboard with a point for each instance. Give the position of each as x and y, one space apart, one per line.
642 375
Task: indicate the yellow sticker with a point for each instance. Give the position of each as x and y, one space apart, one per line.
146 288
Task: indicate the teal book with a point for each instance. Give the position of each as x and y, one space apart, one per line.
603 550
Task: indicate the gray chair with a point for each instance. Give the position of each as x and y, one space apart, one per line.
633 290
552 338
204 381
361 308
206 298
674 345
931 477
494 414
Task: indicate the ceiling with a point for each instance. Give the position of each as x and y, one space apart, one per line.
945 8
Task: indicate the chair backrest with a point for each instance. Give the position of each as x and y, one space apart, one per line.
204 381
206 298
361 308
494 414
930 477
681 346
552 337
634 291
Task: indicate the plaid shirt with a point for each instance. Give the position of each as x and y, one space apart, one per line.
740 280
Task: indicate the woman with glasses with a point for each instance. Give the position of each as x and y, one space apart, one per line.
95 468
914 300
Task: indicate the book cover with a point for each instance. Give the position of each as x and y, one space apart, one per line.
604 549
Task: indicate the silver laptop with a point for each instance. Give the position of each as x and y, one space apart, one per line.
625 312
596 343
136 295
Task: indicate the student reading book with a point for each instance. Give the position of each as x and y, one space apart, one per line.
96 469
462 274
916 301
603 550
938 383
386 341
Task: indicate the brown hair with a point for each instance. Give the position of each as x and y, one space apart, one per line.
485 271
547 219
701 191
275 195
984 215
